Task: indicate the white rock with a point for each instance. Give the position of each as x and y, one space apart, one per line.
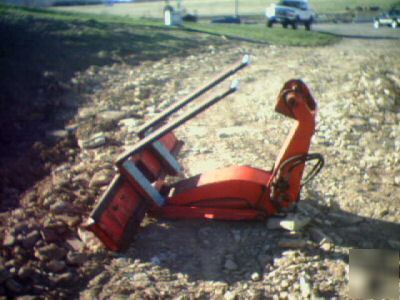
131 124
112 115
326 245
95 141
305 287
284 284
86 112
255 276
230 295
141 277
283 295
57 134
291 223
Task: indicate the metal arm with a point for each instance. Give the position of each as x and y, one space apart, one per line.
294 101
178 105
154 136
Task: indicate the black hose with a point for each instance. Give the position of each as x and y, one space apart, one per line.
299 160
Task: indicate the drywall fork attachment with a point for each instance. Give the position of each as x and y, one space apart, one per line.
233 193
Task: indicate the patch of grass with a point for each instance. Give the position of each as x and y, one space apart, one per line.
65 43
206 8
278 36
35 41
55 14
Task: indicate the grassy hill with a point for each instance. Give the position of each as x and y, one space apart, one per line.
207 8
41 51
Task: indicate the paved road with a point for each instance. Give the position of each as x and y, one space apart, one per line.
359 30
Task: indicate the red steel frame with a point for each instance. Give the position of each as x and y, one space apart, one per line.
233 193
244 193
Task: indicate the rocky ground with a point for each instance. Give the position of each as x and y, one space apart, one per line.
352 204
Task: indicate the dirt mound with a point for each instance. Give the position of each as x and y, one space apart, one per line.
45 253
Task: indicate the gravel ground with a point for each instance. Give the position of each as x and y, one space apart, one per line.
352 204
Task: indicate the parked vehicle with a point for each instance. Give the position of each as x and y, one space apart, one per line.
190 18
290 12
391 18
229 20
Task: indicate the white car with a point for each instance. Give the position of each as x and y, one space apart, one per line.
290 12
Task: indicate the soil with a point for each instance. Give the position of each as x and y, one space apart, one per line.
353 203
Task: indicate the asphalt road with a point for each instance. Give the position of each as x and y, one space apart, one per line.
359 30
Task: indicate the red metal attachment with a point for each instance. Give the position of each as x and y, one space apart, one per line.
234 193
245 193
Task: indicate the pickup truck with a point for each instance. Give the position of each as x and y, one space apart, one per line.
290 12
392 18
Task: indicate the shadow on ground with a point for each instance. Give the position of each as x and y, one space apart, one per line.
39 56
200 248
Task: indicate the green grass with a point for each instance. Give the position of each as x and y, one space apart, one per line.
261 33
123 34
66 43
37 41
207 8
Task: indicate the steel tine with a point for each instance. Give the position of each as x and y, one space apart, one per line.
155 135
143 130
